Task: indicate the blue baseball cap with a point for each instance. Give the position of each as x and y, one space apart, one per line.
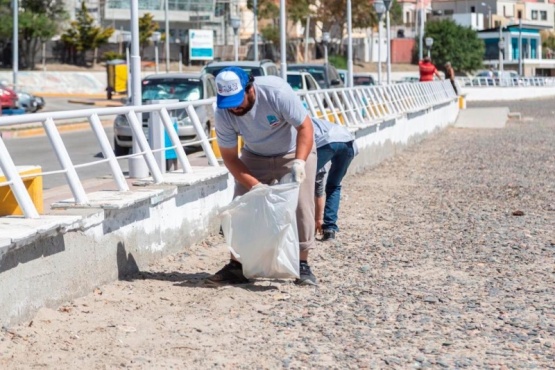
231 83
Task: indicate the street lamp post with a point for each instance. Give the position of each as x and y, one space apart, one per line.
137 165
388 4
15 42
167 33
429 43
255 21
349 45
421 31
156 36
379 7
520 46
235 24
326 40
501 45
490 23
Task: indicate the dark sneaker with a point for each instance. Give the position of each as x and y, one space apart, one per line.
232 273
306 276
328 235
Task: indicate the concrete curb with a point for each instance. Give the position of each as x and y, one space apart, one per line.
102 103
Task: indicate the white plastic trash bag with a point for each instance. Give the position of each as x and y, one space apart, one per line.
260 229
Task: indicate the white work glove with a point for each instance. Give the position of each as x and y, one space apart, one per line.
298 171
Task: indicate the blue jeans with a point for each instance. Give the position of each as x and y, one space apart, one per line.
340 155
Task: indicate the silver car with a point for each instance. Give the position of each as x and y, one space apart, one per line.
178 86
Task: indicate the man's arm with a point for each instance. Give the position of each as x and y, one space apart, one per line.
237 168
305 139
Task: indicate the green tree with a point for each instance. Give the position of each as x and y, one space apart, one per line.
83 36
456 44
38 21
147 26
548 42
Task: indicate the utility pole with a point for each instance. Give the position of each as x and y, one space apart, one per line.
520 46
255 20
15 42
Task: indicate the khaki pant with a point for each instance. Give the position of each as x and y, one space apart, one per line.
270 169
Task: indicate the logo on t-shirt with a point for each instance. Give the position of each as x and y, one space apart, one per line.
272 120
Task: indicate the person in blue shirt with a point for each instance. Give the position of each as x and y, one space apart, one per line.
336 147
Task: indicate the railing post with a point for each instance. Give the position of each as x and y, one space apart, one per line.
106 148
16 184
174 138
65 161
204 140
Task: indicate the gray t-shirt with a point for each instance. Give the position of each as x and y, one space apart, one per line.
268 129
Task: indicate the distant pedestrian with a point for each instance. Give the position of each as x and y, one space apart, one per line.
335 145
450 74
427 70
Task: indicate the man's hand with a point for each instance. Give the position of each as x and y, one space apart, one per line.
319 224
298 170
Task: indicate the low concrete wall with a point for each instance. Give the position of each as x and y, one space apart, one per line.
93 83
48 261
507 93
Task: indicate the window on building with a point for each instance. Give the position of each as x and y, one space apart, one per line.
504 11
519 14
534 15
472 9
448 12
543 15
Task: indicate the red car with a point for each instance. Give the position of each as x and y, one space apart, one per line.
8 98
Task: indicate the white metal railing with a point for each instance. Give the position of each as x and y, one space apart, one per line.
511 81
354 107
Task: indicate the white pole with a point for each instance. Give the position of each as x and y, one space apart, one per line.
236 43
283 38
388 37
421 32
380 51
520 46
500 50
306 39
167 43
349 46
156 57
15 42
255 40
137 165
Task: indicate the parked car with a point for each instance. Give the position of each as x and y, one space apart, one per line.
264 67
29 102
8 97
408 79
179 86
363 79
343 74
325 74
301 81
505 78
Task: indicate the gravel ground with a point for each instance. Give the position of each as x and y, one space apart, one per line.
445 259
